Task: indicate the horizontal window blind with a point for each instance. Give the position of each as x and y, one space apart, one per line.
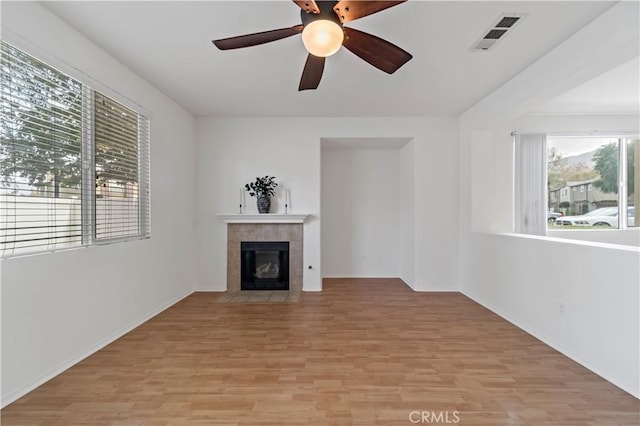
117 132
73 162
40 155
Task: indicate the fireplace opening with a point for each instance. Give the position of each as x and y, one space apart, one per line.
265 265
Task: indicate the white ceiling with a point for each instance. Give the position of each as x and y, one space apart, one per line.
169 44
617 91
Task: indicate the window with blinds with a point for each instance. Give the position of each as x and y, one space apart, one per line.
74 163
116 164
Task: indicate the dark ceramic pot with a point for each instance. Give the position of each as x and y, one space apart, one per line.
264 204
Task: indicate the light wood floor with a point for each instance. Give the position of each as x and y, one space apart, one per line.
362 352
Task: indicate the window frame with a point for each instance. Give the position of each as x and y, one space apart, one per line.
88 190
622 138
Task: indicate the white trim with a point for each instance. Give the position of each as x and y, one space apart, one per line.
622 183
262 218
617 381
70 362
88 172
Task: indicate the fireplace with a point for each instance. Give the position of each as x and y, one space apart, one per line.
237 233
264 265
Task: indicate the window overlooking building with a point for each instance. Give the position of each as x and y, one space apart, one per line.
594 163
73 162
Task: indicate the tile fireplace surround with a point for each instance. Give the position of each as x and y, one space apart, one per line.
264 228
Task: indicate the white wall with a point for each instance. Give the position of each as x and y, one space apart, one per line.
232 151
58 308
524 279
360 212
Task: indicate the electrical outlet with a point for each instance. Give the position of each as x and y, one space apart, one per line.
563 308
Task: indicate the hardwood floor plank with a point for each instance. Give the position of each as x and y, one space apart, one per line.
362 352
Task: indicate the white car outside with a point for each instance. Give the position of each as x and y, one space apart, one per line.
606 216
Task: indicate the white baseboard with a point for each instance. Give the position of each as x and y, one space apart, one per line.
65 365
589 365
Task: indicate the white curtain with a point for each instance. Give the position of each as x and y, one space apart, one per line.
531 184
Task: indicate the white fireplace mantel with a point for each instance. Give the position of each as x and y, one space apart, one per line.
262 218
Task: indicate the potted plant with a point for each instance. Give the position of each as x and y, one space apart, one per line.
263 189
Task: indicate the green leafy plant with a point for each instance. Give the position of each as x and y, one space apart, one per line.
263 186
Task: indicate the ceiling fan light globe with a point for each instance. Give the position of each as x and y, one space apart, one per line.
322 37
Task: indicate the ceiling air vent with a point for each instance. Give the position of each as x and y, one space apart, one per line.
503 24
507 21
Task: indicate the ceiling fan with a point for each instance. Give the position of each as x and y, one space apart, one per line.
323 34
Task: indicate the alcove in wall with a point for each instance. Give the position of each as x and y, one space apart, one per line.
367 203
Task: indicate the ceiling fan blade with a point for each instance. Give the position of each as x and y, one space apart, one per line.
256 38
308 6
312 73
378 52
350 10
